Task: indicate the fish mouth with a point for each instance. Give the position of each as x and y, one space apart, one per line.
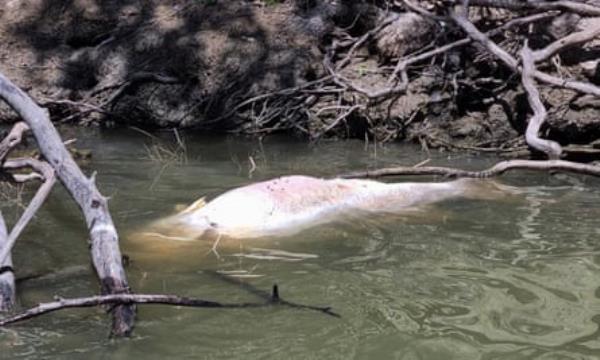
181 229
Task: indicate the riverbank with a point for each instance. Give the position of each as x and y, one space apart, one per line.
312 68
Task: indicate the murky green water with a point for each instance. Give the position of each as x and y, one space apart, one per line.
512 279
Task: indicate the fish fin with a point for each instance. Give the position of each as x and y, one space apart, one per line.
180 207
198 204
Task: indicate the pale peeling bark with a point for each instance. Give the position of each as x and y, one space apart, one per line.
550 148
105 251
60 304
7 277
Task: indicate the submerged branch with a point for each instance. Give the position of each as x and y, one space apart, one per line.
496 170
129 299
40 196
106 255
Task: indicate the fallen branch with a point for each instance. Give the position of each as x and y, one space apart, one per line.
496 170
128 299
106 255
7 276
512 63
462 21
568 41
40 196
404 63
576 7
13 138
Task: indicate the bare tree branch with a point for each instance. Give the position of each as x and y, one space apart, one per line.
7 276
496 170
568 41
461 20
551 148
13 138
512 63
105 251
49 179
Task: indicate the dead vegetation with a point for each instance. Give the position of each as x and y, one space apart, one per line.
386 70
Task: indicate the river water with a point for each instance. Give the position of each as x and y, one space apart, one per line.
515 278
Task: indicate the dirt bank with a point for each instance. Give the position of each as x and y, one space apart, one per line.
266 66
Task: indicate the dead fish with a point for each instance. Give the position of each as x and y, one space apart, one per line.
287 205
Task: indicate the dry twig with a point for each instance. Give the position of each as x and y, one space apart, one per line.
47 174
568 41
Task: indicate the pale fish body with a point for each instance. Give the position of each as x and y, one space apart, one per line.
287 205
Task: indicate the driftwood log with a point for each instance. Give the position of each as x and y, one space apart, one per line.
104 241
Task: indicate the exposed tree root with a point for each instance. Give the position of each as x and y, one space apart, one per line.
461 20
551 148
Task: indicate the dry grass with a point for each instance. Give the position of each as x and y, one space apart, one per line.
13 201
165 153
